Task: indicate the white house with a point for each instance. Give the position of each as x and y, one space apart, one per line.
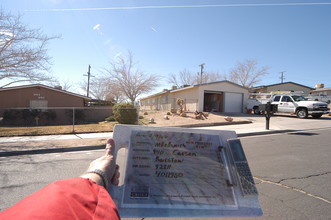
286 86
221 96
322 91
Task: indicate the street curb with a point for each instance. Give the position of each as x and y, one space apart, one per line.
99 147
52 150
212 124
265 132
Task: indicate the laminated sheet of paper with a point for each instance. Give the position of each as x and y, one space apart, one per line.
173 172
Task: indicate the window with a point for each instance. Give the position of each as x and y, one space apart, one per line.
286 99
165 99
277 98
38 103
299 98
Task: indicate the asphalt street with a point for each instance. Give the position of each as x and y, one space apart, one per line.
23 175
292 172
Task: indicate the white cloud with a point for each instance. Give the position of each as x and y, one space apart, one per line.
97 27
3 39
6 33
118 55
153 29
108 42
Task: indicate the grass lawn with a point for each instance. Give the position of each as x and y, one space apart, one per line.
60 129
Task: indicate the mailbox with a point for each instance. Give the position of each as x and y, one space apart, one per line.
268 107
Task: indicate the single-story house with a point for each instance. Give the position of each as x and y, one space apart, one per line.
286 86
38 95
322 91
22 105
221 96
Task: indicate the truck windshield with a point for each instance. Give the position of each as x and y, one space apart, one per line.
299 98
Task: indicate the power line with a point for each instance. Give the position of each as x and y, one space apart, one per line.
183 6
88 80
201 71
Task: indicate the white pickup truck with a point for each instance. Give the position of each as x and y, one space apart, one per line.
320 97
294 104
256 99
299 105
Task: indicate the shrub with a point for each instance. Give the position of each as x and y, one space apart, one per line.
110 118
30 114
125 113
51 115
79 115
11 115
28 117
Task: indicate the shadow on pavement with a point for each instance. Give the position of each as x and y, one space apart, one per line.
53 150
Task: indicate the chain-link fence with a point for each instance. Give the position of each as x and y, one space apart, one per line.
53 116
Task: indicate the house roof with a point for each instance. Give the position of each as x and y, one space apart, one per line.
183 88
322 89
263 86
210 83
191 87
46 87
156 94
226 81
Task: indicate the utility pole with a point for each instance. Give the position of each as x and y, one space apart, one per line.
88 80
282 77
201 71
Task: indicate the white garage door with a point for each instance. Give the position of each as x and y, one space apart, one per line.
233 102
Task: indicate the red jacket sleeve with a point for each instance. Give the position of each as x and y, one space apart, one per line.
76 198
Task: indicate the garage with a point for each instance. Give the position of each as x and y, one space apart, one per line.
213 101
220 96
233 102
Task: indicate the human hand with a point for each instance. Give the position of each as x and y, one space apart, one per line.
106 164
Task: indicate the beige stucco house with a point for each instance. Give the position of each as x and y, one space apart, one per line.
221 96
322 91
286 86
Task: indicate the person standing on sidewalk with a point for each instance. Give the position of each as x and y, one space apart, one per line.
84 197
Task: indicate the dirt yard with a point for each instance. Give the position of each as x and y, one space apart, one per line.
161 118
174 120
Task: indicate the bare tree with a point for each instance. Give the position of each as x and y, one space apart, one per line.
65 84
102 88
247 73
186 77
213 77
23 52
131 81
114 93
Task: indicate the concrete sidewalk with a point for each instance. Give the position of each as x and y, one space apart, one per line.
47 144
241 129
55 137
257 126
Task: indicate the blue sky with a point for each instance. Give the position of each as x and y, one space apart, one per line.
167 36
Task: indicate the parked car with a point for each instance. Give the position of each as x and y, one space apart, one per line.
289 103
